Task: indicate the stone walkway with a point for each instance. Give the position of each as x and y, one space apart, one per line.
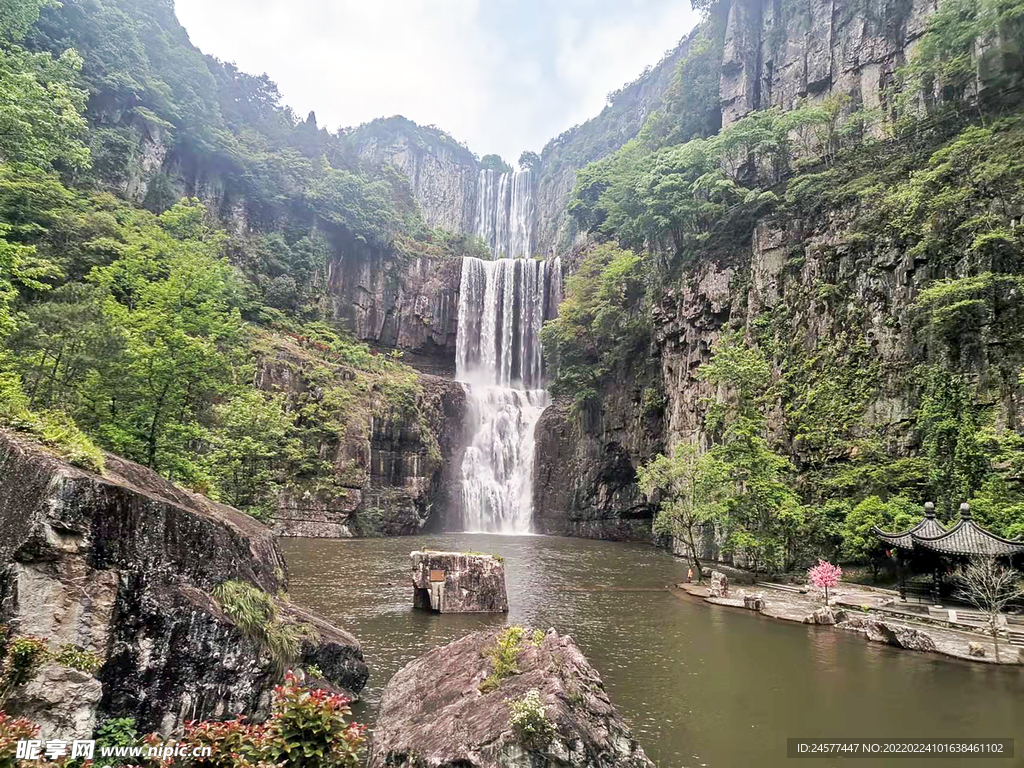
875 613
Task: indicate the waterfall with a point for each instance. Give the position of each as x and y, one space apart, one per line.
505 212
502 305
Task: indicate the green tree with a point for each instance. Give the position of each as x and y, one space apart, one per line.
692 488
251 448
173 296
602 324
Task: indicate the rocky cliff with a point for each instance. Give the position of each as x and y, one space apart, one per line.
442 173
405 303
389 468
122 565
448 709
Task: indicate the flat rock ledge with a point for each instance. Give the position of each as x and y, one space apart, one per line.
458 582
434 715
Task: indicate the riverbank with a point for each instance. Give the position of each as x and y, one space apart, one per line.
856 608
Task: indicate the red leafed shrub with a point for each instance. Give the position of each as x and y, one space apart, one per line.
13 730
309 729
306 729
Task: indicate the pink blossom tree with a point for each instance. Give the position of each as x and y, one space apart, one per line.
824 575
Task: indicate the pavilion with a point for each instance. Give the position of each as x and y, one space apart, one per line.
929 547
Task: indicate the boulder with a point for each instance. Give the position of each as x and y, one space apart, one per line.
976 649
122 565
824 615
754 602
892 634
458 582
719 585
433 713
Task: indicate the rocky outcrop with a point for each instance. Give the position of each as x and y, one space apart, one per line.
393 471
122 565
719 585
823 616
891 634
434 715
442 174
392 301
754 602
585 467
458 582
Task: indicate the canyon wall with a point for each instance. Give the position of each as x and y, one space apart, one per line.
122 565
814 277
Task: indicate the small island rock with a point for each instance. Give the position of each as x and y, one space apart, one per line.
434 714
458 582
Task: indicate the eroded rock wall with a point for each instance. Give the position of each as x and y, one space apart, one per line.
122 565
393 471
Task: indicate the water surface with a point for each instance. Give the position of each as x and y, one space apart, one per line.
702 685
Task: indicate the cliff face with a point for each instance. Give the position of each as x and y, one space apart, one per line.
775 55
387 300
122 565
392 470
441 173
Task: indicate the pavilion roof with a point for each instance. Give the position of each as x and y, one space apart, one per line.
964 538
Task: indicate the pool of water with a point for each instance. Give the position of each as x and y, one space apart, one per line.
703 686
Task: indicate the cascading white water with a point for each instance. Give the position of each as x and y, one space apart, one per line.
502 306
504 212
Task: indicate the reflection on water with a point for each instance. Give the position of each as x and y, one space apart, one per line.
702 685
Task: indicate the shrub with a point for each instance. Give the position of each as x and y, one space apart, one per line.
13 730
22 657
83 661
504 656
529 719
309 729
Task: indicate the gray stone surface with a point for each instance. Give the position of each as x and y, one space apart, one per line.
824 615
892 633
719 585
121 565
458 582
433 714
754 602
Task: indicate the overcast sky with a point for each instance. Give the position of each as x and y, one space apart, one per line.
500 75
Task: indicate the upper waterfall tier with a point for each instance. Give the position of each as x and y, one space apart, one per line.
505 212
502 305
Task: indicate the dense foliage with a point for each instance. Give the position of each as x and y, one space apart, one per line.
792 458
167 230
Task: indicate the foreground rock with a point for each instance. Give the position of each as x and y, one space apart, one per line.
122 566
458 582
434 715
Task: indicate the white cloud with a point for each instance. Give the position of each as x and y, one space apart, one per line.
443 61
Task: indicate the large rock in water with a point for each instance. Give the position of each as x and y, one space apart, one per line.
434 715
458 582
122 565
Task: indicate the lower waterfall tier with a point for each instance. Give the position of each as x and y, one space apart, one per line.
497 470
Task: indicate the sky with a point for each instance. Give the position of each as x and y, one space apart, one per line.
502 76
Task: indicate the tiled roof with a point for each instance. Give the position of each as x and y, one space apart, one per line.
964 538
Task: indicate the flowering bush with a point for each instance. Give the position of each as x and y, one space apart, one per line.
529 719
824 575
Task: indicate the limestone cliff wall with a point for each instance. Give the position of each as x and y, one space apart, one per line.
122 565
